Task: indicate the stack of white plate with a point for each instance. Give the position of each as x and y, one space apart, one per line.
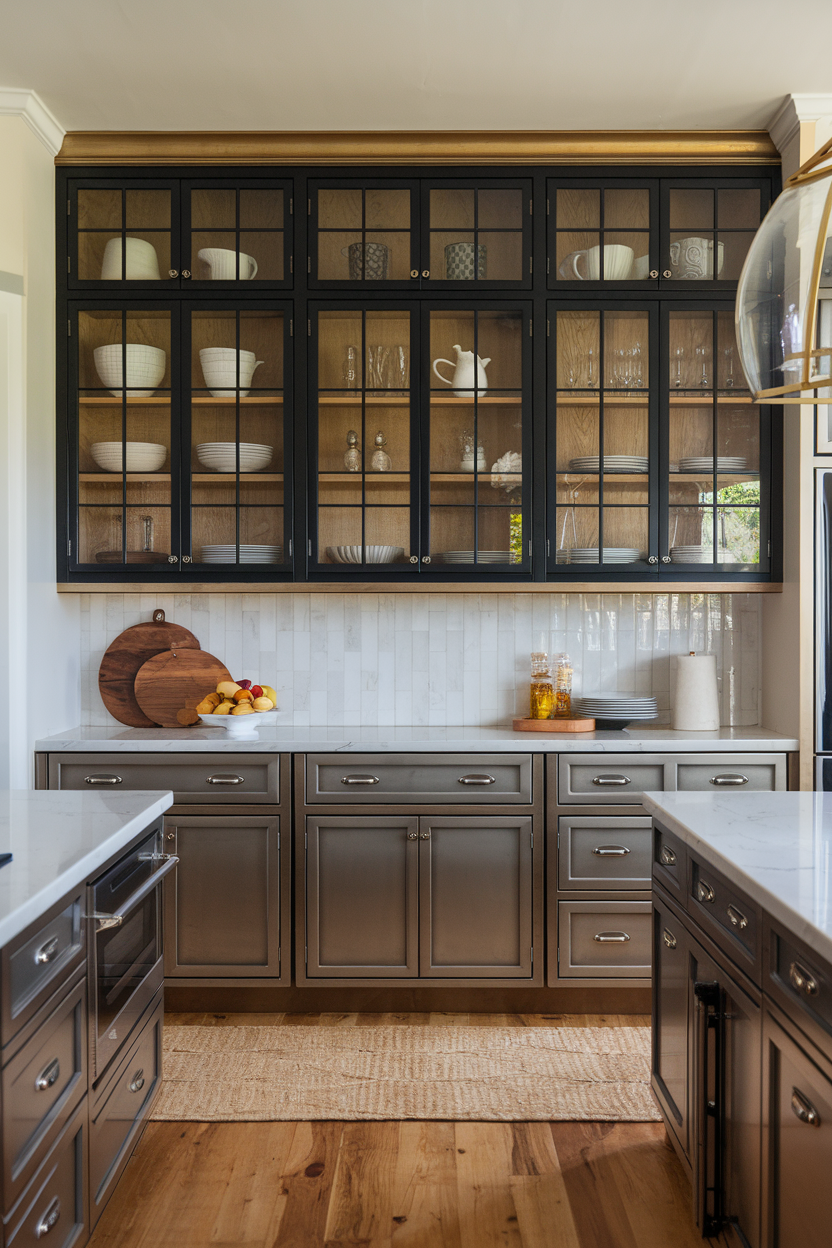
612 554
616 710
222 456
249 553
701 554
140 456
483 556
612 463
705 463
372 554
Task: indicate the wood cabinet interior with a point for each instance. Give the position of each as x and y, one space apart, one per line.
249 221
375 223
107 213
725 218
489 219
585 217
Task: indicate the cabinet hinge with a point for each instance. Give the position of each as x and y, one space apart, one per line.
278 840
531 207
530 548
530 327
531 951
69 547
769 548
69 207
291 264
308 329
309 547
305 840
548 548
547 319
69 264
308 264
547 265
69 329
290 548
309 207
291 205
531 264
291 327
547 206
531 839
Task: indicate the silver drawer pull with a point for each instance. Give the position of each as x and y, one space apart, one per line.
737 918
226 779
48 1076
137 1082
704 892
667 857
360 780
482 778
729 778
103 780
669 939
803 980
607 780
610 851
611 938
803 1109
48 950
156 857
48 1219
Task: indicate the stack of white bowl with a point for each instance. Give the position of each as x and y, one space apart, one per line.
249 553
140 456
615 710
145 368
612 554
483 556
372 554
612 463
222 456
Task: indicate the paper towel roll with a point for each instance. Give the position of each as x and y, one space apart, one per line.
696 702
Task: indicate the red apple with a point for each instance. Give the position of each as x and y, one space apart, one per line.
256 691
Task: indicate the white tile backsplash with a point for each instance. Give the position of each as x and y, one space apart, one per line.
460 659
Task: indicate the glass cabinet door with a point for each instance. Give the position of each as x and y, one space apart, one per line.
603 442
716 508
363 235
707 229
238 232
477 233
601 232
236 452
125 232
125 452
364 443
478 435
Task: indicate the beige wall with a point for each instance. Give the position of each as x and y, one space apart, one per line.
41 629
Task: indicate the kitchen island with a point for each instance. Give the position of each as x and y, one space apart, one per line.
742 1007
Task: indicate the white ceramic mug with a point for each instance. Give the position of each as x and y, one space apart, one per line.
141 263
222 264
618 261
219 368
692 259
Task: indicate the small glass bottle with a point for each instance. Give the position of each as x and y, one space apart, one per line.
381 461
562 668
351 368
352 455
541 690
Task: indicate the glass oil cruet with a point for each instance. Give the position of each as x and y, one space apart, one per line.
562 668
381 461
541 690
352 455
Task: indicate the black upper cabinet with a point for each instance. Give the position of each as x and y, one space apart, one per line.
669 233
207 234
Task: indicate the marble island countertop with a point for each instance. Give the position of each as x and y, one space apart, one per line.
61 840
388 740
776 847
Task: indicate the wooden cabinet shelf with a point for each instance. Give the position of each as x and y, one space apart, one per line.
200 478
397 400
565 398
100 400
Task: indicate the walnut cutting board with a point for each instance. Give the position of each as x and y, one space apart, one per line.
571 723
177 679
125 656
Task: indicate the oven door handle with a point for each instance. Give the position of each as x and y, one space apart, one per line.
105 921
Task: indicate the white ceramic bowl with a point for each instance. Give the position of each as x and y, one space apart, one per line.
140 457
145 368
373 554
240 727
222 456
141 260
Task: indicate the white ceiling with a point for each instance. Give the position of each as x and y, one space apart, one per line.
415 64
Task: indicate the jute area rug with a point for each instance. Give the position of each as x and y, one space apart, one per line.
481 1074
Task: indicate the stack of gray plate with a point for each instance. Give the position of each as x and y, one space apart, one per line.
249 553
612 463
612 554
616 710
483 556
705 463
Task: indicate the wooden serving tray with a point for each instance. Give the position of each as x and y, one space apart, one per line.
571 723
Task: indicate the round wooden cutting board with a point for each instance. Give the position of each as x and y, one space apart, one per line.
175 680
124 657
571 723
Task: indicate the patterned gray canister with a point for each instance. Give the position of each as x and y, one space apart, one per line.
459 262
368 261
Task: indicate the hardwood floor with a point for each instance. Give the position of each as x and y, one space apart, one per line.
401 1184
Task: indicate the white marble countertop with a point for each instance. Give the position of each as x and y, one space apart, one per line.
307 740
60 840
776 847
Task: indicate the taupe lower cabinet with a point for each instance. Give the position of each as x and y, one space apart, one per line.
400 897
222 902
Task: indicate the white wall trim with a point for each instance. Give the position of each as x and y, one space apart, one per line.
795 110
19 102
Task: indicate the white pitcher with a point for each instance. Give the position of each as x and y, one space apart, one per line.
464 377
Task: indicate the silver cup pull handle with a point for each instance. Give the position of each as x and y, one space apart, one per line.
48 950
803 1109
102 780
610 851
360 780
229 779
737 918
605 781
484 778
667 857
137 1082
48 1076
48 1219
669 939
803 980
734 778
611 938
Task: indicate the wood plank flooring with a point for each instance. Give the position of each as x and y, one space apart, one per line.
401 1184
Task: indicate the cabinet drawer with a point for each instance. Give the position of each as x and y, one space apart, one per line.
670 858
739 773
799 978
39 961
438 778
198 779
41 1086
608 779
604 939
54 1204
122 1107
596 852
730 918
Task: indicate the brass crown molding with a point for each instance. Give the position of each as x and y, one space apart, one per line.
418 147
